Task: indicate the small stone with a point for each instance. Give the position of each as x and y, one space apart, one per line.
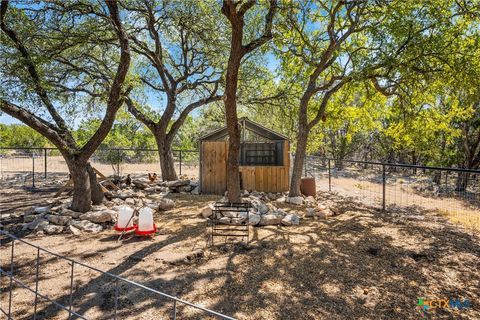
254 219
165 204
291 219
238 221
280 212
74 230
270 219
53 229
281 199
261 207
177 183
40 210
310 201
29 218
36 224
58 220
186 188
207 211
310 212
224 220
140 184
86 226
295 200
98 216
195 190
70 213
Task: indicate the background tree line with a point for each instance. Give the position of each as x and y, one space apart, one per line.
382 80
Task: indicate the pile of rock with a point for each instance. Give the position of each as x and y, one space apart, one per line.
175 186
58 218
264 211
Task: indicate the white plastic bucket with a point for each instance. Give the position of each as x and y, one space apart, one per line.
145 220
125 219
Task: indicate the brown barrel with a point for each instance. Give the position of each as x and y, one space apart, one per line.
308 187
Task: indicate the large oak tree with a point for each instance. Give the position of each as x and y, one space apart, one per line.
177 66
52 52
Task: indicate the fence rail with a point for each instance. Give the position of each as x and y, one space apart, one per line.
8 272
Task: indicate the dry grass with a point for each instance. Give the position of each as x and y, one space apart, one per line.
467 220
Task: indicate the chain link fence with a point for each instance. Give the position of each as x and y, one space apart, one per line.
28 165
452 192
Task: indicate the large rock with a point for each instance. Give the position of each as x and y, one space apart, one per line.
99 216
280 212
207 211
295 200
58 220
70 213
291 219
38 224
270 219
41 210
141 183
177 183
165 204
260 206
254 219
196 190
224 220
86 226
53 229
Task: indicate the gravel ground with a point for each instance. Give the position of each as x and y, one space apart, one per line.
361 264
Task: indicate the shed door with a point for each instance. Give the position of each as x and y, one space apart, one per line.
214 167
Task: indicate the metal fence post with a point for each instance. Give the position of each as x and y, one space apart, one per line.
36 284
118 162
45 161
384 182
33 170
329 176
180 162
174 309
70 301
11 282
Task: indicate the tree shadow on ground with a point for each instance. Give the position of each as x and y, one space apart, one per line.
359 265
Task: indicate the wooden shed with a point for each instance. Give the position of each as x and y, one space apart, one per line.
264 159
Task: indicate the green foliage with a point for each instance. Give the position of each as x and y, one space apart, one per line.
20 136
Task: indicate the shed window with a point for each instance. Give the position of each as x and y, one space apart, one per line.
261 154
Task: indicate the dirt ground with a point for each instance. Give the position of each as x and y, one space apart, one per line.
362 264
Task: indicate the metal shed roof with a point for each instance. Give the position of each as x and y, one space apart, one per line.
247 124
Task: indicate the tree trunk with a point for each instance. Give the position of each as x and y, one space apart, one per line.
86 189
82 197
298 163
95 188
167 163
233 173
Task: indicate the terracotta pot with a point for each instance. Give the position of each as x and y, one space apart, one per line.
308 187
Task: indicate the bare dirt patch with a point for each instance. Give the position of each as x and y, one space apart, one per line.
361 264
